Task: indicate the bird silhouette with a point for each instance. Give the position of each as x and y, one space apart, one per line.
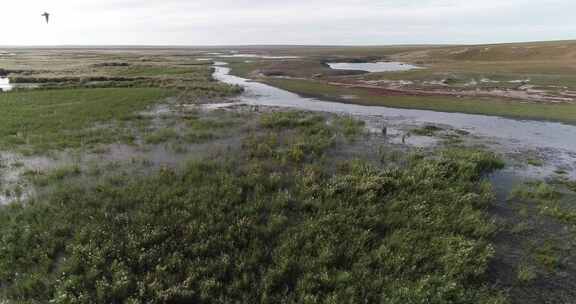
47 16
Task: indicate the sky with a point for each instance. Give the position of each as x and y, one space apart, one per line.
302 22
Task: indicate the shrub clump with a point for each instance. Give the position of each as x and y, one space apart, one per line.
226 232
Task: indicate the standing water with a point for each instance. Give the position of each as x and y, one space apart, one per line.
515 134
373 67
5 84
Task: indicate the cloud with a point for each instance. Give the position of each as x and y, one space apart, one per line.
185 22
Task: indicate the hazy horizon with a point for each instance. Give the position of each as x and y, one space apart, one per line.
273 45
182 23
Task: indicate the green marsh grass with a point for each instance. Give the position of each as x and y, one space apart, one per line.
254 227
45 120
428 130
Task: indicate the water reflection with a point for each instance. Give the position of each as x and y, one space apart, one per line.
556 142
515 132
373 67
5 84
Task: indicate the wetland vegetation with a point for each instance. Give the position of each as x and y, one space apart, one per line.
278 220
121 184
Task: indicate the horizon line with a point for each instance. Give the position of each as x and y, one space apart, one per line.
269 45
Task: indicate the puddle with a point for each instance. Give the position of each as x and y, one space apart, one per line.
13 166
16 165
5 85
373 67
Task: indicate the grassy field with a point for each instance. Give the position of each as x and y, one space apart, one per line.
143 70
57 119
87 98
564 112
50 70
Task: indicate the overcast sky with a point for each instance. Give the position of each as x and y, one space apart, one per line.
334 22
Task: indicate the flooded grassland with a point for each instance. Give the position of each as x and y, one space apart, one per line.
155 176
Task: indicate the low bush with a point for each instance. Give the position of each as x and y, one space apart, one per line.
238 231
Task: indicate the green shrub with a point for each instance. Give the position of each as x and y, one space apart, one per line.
350 126
222 232
526 273
42 179
269 224
161 136
289 120
428 130
535 162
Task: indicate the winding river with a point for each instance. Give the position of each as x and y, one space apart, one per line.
556 140
524 132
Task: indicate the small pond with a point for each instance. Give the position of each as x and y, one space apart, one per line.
258 56
373 67
5 84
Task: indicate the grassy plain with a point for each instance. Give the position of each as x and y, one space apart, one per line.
84 98
58 119
487 106
548 68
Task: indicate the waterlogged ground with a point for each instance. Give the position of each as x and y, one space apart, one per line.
173 135
271 171
522 140
5 84
534 245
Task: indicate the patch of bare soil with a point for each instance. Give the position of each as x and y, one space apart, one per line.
525 93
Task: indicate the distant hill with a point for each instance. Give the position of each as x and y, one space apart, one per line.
555 50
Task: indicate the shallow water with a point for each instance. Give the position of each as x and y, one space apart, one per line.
373 67
5 84
140 156
555 142
555 139
522 132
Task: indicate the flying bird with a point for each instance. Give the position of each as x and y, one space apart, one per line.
47 16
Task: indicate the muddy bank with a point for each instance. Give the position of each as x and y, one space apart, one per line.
536 134
533 149
406 88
